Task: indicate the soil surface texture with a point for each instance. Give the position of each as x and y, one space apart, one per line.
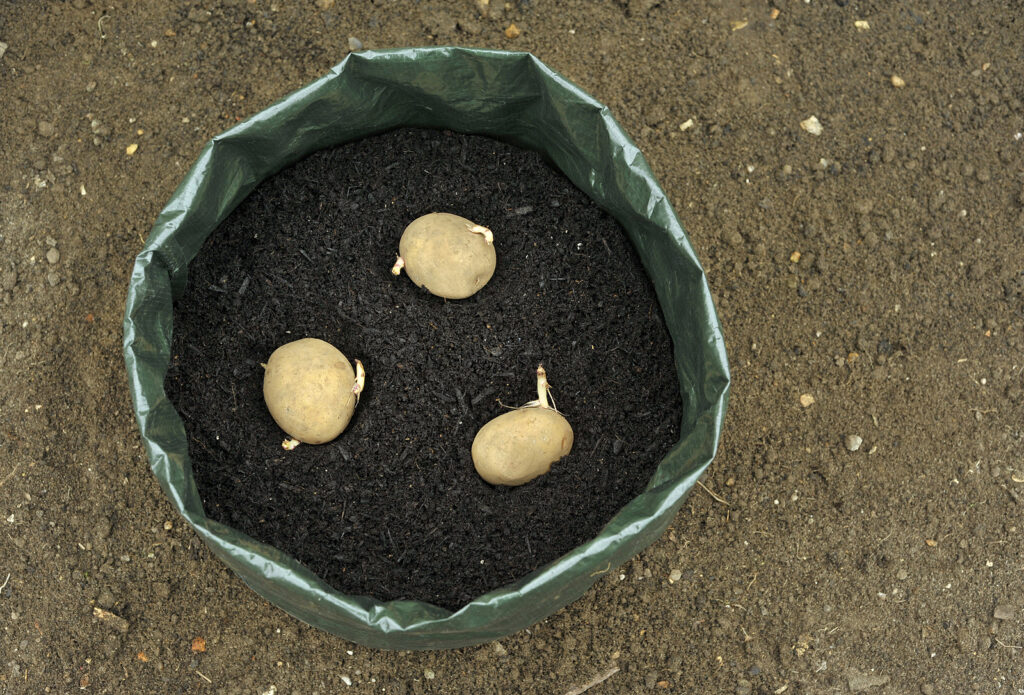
871 260
393 508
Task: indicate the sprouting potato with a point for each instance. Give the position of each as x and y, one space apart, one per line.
311 390
448 255
517 446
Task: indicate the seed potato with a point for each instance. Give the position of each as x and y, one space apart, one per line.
520 445
449 255
516 447
311 390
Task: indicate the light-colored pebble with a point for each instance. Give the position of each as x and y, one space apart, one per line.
812 125
897 81
1003 611
853 442
52 256
354 44
674 576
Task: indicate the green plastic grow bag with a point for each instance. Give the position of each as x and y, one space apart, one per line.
508 96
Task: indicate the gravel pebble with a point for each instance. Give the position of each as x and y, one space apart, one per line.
744 687
3 49
354 44
1003 611
674 576
897 81
106 598
45 129
853 442
812 125
859 682
52 256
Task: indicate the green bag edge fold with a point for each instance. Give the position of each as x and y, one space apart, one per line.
506 95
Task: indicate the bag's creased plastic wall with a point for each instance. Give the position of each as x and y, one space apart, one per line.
509 96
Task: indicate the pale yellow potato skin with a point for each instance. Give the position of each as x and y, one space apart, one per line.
442 255
308 390
517 446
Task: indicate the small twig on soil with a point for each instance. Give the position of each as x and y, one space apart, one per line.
713 495
1008 646
751 583
595 681
10 475
200 674
4 585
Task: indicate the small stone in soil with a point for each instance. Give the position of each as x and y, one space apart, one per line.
897 81
674 576
45 129
812 125
853 442
52 256
859 681
110 619
1003 611
354 44
3 49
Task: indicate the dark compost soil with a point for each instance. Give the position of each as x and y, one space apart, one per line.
393 508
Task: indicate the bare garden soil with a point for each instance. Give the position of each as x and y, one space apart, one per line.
876 267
